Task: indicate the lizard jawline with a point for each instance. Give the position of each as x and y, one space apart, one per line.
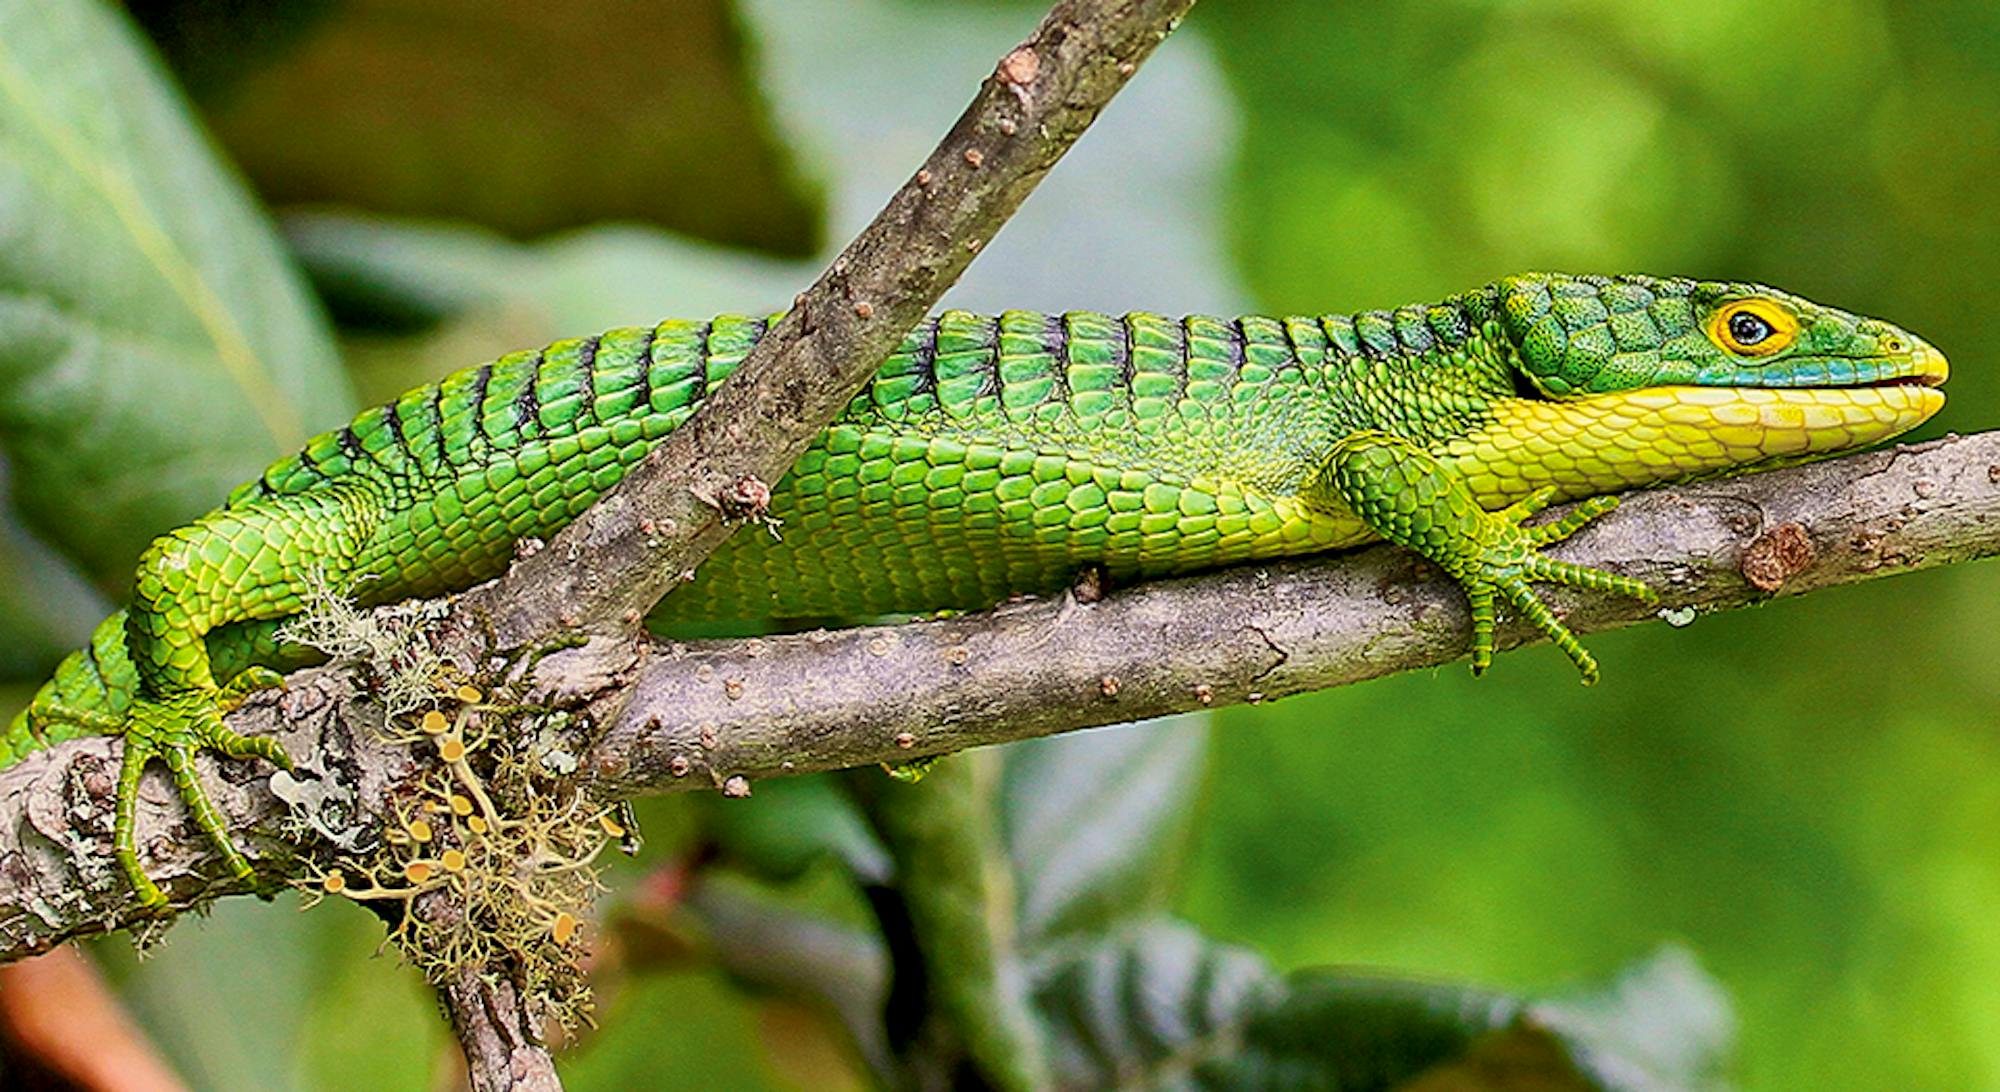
1629 439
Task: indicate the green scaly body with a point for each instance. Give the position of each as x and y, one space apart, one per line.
995 456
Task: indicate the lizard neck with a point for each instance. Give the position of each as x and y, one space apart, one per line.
1426 373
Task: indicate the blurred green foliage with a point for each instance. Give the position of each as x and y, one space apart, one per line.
492 111
1800 795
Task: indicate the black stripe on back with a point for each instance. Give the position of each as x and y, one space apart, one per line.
1292 343
646 372
1187 356
1122 352
393 421
701 364
1055 342
480 379
528 404
586 360
437 423
351 444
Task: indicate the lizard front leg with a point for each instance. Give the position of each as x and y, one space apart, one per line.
1410 498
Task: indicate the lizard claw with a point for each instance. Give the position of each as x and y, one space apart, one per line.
174 728
247 682
1511 556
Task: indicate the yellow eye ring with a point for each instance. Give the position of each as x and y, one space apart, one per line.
1753 327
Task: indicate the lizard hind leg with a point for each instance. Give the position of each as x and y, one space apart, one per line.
1410 498
242 564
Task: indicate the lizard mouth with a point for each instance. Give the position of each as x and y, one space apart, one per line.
1923 367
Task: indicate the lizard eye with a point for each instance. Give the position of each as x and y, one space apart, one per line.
1747 330
1753 327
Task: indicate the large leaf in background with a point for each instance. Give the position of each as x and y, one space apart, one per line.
155 347
46 609
795 824
1126 221
1136 1007
1162 1007
223 1020
767 944
522 115
1096 822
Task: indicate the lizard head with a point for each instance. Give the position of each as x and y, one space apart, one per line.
1578 336
1633 380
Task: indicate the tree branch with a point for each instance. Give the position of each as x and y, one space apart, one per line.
703 713
713 471
699 715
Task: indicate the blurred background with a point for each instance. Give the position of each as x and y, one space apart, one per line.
1806 796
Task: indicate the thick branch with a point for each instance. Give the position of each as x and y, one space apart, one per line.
503 1047
707 712
699 715
673 511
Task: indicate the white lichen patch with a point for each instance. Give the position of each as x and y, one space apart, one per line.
393 642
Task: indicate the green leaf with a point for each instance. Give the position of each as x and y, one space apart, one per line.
950 937
1662 1026
367 1022
223 996
767 944
1160 1006
672 1033
155 348
45 607
792 823
1138 1008
1096 823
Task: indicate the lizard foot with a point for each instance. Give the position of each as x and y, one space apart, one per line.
173 728
1510 556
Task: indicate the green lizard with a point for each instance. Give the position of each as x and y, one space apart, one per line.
993 456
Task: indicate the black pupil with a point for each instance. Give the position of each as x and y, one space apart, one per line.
1747 328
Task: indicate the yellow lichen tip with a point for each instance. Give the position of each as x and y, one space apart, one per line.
333 883
434 723
565 927
460 805
419 830
470 694
453 860
417 871
451 748
476 824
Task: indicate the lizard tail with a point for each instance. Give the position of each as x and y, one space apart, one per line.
97 679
